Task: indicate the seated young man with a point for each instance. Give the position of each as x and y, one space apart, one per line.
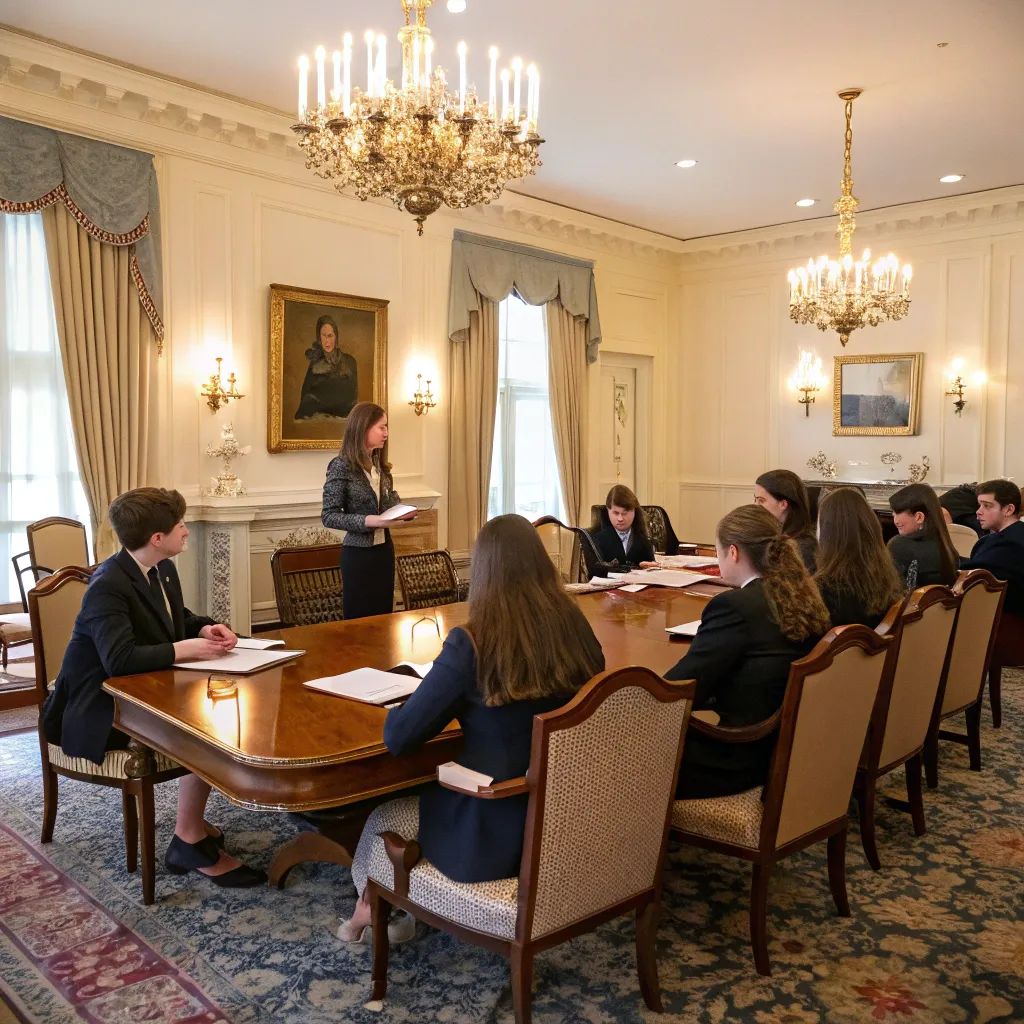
133 619
1001 550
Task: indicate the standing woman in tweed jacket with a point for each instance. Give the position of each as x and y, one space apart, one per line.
357 490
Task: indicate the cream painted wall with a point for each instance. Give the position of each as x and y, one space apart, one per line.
736 417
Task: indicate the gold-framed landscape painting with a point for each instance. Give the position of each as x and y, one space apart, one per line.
328 351
877 395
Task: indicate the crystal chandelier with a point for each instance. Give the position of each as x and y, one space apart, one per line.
842 295
420 145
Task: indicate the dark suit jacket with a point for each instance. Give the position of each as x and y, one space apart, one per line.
918 560
120 631
467 839
349 499
610 547
845 609
1002 554
741 661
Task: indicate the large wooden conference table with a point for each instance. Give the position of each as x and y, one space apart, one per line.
277 745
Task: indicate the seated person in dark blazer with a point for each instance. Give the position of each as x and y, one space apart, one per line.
622 536
784 495
921 551
856 577
1001 550
960 505
741 655
132 620
526 649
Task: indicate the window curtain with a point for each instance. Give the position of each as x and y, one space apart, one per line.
484 272
474 399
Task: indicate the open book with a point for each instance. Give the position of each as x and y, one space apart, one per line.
397 511
371 685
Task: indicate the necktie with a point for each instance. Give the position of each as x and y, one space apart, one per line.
158 596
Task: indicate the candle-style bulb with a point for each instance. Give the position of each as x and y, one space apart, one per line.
369 38
517 68
321 87
506 110
492 93
303 88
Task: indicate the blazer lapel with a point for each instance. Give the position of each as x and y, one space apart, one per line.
141 584
172 588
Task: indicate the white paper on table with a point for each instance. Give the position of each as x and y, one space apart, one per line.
665 577
684 628
371 685
604 584
686 561
251 643
240 662
616 575
397 511
421 668
632 588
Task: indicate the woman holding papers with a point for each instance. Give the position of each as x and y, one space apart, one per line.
358 491
526 649
622 536
856 576
784 495
741 654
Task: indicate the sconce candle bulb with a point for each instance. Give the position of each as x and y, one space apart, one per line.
213 390
808 379
422 401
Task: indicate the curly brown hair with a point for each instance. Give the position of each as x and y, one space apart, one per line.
794 600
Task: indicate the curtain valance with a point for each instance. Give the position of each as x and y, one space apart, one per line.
111 191
494 268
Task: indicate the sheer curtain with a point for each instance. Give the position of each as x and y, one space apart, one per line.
38 464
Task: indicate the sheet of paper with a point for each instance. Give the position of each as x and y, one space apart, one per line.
465 778
684 628
240 662
686 561
605 584
632 588
397 511
251 643
371 685
664 577
421 668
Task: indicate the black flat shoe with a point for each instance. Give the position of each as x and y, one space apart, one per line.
242 877
183 857
219 837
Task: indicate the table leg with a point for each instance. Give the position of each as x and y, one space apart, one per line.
333 842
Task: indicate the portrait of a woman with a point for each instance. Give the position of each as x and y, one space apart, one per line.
331 385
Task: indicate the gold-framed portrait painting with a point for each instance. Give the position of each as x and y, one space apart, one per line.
328 351
877 395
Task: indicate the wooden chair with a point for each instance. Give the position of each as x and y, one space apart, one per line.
53 604
594 847
921 627
822 724
427 579
659 529
963 538
563 547
982 597
56 542
307 584
1007 653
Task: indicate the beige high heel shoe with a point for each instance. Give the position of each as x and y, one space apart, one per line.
401 928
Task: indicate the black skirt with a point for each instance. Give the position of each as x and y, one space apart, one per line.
368 579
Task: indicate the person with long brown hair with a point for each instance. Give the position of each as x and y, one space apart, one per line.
922 551
784 495
856 577
525 649
747 640
622 536
358 488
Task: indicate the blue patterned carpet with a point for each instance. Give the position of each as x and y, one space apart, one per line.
937 936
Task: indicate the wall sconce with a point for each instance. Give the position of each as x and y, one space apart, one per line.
422 401
957 385
213 390
808 379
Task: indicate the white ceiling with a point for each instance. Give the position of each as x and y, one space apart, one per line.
747 87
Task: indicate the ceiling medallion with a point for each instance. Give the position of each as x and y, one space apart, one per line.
419 145
842 295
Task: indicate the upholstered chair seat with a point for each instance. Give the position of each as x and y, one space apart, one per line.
729 819
14 630
113 766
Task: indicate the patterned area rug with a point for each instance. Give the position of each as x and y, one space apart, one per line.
19 719
936 937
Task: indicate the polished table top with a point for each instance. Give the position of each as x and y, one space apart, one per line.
279 744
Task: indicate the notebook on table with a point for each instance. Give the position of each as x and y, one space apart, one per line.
374 685
241 661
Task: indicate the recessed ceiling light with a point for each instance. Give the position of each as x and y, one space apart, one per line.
806 202
686 163
948 179
456 6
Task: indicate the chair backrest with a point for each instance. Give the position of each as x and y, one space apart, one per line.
597 823
963 538
562 546
427 578
53 606
56 542
307 584
591 563
659 529
922 638
825 716
980 606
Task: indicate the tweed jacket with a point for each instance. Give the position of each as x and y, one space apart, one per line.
349 499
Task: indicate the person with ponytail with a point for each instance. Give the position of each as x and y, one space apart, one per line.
741 654
784 495
922 551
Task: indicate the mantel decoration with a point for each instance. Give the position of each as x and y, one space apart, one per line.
842 295
227 484
419 145
823 466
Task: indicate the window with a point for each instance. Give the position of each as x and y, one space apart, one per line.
524 473
38 468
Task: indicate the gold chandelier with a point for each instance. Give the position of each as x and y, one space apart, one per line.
842 295
419 145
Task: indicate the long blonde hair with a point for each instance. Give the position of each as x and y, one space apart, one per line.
530 636
794 601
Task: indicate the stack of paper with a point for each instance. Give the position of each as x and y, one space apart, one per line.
686 561
463 778
664 577
369 685
240 661
684 628
250 643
